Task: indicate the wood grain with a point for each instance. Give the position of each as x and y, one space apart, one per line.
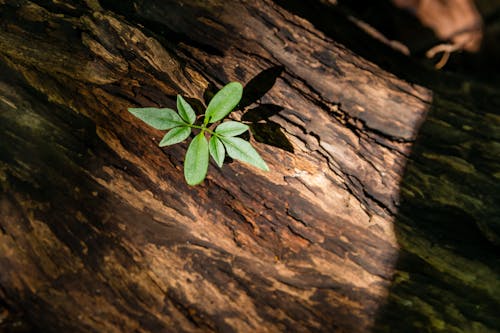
99 232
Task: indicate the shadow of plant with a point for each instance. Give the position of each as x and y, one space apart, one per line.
263 129
255 114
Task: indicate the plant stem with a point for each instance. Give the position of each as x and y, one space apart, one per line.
204 129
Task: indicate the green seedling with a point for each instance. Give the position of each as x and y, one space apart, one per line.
208 141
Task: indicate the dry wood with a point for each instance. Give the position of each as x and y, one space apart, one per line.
99 232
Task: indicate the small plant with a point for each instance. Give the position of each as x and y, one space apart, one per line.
221 140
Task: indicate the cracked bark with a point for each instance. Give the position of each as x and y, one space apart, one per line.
384 209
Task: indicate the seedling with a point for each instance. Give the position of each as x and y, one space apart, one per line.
216 143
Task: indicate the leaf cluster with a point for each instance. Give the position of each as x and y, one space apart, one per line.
207 142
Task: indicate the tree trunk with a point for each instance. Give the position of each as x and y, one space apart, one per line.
380 212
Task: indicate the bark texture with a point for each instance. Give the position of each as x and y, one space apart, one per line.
379 213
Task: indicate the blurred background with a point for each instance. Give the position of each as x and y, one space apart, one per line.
461 36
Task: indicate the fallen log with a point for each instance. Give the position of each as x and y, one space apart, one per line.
378 212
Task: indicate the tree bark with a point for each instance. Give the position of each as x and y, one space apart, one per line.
379 213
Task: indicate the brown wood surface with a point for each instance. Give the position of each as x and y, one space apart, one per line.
379 213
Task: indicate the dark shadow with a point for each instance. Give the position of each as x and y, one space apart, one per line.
197 105
259 85
448 224
209 92
263 129
271 133
261 112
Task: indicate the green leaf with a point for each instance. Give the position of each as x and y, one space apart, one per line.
196 162
175 135
161 119
217 150
223 102
185 110
231 128
242 150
